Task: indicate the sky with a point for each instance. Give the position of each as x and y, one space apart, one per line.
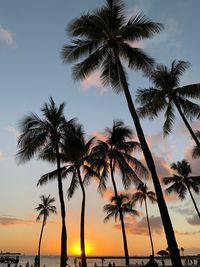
32 34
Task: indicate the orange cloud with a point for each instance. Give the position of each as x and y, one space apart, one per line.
11 221
93 80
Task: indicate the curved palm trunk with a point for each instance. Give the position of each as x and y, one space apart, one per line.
63 256
82 226
187 124
40 240
195 205
150 236
120 215
169 232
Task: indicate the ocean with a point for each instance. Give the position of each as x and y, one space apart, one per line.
54 261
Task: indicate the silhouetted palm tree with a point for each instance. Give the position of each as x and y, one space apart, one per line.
113 210
114 154
167 94
44 208
43 137
181 182
76 155
142 195
104 38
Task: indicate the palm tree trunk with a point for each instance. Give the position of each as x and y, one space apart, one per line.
150 236
40 240
187 124
195 205
63 256
120 215
169 232
82 226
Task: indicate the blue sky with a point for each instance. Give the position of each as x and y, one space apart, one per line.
32 34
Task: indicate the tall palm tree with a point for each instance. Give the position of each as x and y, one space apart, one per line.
113 210
114 155
42 136
76 155
142 195
104 38
181 183
44 208
167 94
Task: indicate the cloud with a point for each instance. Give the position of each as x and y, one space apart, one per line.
187 233
170 35
10 221
194 220
6 36
1 156
140 228
94 81
12 130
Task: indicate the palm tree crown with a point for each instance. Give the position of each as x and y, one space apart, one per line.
112 209
45 208
167 94
116 152
181 183
102 34
144 194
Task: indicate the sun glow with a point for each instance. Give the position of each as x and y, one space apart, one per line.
75 248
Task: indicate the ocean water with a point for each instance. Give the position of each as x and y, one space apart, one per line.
54 261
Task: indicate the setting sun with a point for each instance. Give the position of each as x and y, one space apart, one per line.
75 248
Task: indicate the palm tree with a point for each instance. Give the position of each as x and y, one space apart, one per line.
76 155
114 154
113 210
141 196
181 182
104 38
167 94
44 208
41 137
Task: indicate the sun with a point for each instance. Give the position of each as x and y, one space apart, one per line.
75 248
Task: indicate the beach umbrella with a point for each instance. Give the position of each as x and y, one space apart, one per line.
162 252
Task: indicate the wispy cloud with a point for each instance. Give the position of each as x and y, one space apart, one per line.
10 221
1 156
12 130
6 36
187 233
93 81
194 220
135 227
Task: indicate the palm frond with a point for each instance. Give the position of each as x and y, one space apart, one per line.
73 185
189 108
169 119
78 49
88 65
191 90
136 58
139 27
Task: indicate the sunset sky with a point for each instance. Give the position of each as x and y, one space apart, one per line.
32 34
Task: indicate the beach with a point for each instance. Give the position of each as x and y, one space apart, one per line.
54 261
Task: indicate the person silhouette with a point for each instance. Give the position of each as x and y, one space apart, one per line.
151 262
